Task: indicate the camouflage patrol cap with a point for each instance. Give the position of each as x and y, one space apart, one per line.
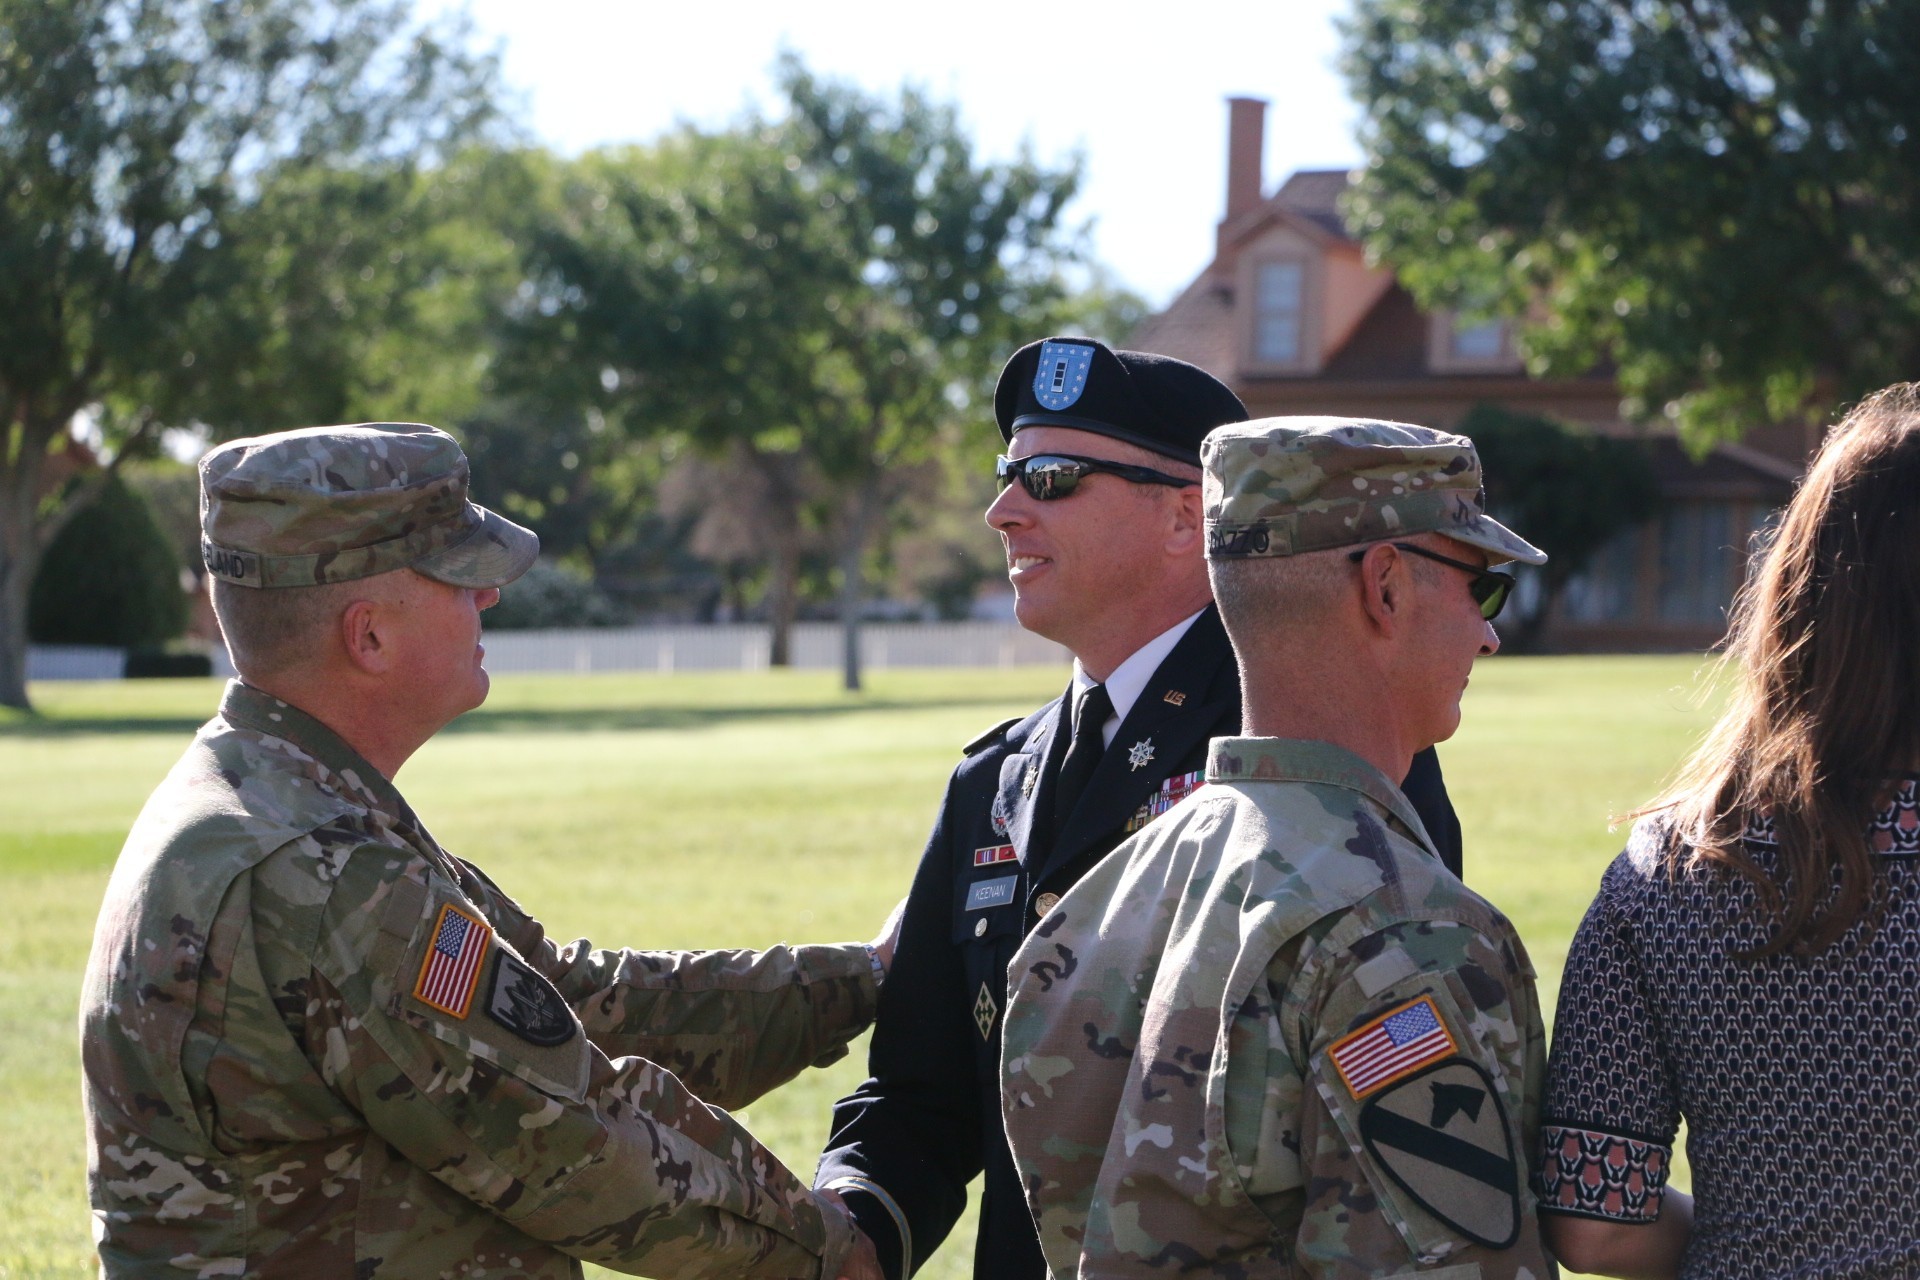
332 504
1285 486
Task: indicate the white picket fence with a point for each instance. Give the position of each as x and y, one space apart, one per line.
816 646
75 662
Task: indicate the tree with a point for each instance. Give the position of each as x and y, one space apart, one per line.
140 142
953 257
819 297
1722 196
1571 490
109 578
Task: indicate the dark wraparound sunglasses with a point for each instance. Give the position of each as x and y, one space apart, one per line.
1046 476
1489 588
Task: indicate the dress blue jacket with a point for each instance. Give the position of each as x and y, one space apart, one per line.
928 1118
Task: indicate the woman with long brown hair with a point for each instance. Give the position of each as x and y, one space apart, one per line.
1752 962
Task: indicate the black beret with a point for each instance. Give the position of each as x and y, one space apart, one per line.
1156 402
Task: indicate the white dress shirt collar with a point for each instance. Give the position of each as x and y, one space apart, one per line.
1129 679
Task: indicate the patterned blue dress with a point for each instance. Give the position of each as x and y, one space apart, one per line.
1798 1077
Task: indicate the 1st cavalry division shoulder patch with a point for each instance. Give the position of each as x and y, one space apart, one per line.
451 968
1443 1136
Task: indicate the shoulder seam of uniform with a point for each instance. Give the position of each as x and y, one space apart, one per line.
990 736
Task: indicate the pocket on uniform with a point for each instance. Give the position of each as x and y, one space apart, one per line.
457 981
1418 1099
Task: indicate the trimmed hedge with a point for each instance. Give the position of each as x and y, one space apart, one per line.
111 577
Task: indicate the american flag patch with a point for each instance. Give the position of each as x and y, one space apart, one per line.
1395 1044
451 969
994 853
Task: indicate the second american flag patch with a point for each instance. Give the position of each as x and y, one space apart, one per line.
1397 1043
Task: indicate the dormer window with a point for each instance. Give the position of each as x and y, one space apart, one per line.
1279 300
1463 346
1484 341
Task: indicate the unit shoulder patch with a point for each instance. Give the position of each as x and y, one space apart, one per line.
1442 1134
990 737
526 1004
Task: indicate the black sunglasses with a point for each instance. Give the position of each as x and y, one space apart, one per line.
1489 588
1046 476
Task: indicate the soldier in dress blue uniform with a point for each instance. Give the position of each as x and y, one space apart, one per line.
1100 516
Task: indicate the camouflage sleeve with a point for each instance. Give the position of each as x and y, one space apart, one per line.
733 1025
1423 1055
464 1058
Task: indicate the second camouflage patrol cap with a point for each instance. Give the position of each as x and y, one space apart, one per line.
332 504
1285 486
1156 402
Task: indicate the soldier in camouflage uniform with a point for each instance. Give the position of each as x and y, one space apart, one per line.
316 1043
1272 1035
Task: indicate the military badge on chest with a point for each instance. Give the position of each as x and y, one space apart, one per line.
1171 793
984 1012
526 1004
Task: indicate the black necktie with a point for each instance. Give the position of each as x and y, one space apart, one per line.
1083 755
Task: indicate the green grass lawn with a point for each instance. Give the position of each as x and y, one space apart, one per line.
730 810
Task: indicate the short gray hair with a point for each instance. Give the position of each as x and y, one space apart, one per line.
273 630
1262 595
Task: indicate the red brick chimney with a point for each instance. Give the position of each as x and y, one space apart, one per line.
1246 144
1246 141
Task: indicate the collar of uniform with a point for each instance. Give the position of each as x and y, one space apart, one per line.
248 708
1298 760
1129 679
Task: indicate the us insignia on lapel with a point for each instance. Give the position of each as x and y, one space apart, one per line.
1175 698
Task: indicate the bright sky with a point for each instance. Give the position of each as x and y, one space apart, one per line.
1140 89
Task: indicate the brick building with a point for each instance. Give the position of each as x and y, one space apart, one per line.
1292 317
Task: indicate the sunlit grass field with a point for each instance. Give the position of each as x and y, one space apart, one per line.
729 810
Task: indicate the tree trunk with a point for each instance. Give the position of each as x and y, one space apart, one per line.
16 574
776 506
783 600
19 558
853 555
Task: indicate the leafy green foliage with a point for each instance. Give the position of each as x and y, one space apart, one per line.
199 203
1722 197
109 578
1566 490
551 595
813 301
